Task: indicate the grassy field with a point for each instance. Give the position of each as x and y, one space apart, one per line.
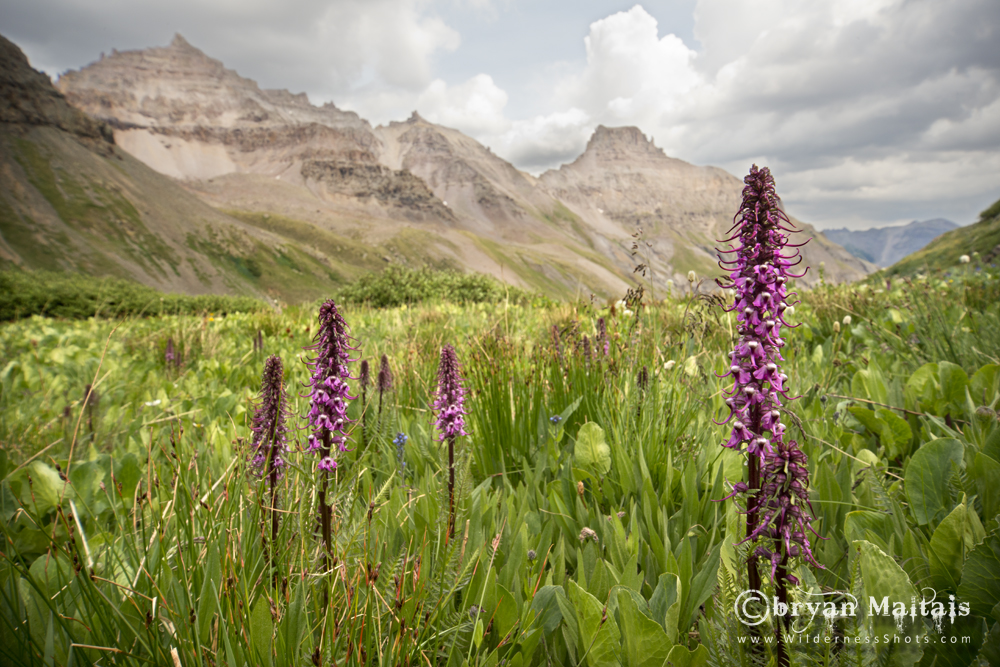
586 527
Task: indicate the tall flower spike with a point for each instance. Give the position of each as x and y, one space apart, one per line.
449 405
329 393
267 445
450 397
778 507
383 381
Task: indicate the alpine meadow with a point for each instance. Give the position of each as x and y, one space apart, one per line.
476 477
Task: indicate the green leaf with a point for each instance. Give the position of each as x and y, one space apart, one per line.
47 486
951 541
212 573
702 586
901 432
506 612
127 474
599 639
926 478
885 581
477 635
985 384
985 471
665 604
644 641
953 382
980 585
590 450
680 656
546 607
261 628
874 527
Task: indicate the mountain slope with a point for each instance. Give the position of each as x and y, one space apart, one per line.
981 241
887 245
72 200
419 192
623 182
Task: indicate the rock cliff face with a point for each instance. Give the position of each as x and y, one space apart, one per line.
623 182
71 200
28 98
263 152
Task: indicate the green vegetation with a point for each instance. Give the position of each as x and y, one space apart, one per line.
132 533
73 296
979 241
396 286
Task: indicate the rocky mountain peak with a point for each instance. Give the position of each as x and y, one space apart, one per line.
27 97
180 43
622 142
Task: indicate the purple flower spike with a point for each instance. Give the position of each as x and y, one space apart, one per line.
759 274
383 381
778 507
268 423
787 512
450 396
329 392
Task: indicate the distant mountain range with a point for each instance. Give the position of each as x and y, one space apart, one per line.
980 241
203 182
884 246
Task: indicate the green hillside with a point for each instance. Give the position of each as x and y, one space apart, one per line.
944 252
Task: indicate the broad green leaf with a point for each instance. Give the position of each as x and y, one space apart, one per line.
590 450
926 478
506 612
882 578
980 585
665 603
127 474
986 473
875 527
953 382
901 432
477 635
212 574
702 586
681 656
643 639
985 384
547 614
47 487
952 540
599 636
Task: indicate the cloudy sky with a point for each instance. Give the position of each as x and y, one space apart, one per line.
869 112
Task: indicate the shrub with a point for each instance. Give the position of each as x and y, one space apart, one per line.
396 286
75 296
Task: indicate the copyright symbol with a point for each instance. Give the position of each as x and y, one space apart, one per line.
743 611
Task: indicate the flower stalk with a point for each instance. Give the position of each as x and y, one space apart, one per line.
267 445
777 498
449 404
329 395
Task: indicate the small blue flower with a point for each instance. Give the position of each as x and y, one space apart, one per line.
555 419
400 440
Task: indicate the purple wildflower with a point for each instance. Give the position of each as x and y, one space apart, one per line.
450 396
602 335
170 357
268 424
451 418
383 381
778 506
329 392
787 512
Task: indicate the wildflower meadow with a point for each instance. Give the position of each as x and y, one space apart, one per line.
739 472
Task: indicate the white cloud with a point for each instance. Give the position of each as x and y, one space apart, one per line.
474 107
